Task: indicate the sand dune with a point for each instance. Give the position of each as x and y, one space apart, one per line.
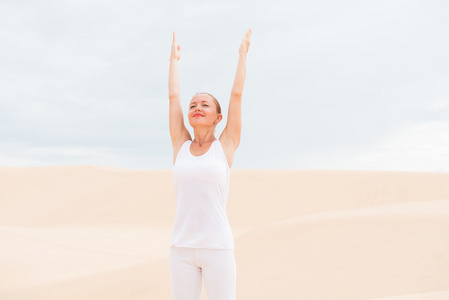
443 295
355 254
87 232
84 196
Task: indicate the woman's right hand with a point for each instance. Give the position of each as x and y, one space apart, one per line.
175 49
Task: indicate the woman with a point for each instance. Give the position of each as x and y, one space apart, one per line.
202 245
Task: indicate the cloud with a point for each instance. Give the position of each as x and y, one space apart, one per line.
22 155
86 81
439 104
419 147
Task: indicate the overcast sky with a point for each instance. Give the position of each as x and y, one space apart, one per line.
344 85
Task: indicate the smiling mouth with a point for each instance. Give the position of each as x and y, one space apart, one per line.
197 115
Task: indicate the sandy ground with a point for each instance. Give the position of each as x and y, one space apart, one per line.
91 232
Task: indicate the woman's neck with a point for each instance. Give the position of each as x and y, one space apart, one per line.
204 136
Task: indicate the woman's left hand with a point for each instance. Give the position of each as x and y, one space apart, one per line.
245 42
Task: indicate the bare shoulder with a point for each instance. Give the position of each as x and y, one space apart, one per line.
177 144
229 147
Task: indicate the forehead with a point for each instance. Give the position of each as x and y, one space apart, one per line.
201 98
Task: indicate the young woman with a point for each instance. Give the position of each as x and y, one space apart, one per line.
202 245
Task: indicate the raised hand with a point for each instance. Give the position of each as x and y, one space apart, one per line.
175 49
245 42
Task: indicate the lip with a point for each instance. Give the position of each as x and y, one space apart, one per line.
197 115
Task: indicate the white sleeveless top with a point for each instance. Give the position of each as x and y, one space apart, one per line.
201 190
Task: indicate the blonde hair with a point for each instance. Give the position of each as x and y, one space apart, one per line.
215 100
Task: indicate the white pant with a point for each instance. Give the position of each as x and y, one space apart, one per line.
217 266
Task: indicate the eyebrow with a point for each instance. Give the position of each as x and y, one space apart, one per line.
201 101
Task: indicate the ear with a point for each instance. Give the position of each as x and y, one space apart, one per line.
219 117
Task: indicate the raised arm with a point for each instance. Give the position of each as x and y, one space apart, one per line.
233 127
178 131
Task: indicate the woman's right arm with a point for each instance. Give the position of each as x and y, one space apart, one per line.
178 131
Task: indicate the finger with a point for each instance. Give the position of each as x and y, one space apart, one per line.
248 34
174 37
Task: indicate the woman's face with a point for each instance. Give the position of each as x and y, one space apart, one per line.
202 111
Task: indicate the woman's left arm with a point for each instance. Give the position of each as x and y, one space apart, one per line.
234 122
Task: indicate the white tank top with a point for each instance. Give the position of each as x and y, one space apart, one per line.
201 190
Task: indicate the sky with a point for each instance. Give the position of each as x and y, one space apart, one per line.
330 85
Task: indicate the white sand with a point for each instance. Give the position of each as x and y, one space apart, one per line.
88 232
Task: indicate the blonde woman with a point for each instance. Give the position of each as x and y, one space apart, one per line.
202 244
